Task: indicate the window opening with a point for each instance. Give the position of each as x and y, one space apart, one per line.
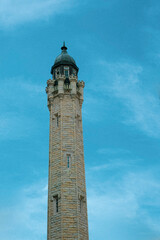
55 85
57 120
66 71
68 161
56 203
67 82
81 205
78 121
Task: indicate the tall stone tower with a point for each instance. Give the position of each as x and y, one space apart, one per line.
67 205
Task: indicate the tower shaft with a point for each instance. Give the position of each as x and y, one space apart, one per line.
67 205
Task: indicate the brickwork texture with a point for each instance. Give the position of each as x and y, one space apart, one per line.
67 202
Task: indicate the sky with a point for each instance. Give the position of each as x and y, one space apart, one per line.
116 46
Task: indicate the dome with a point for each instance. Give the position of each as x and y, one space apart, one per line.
64 59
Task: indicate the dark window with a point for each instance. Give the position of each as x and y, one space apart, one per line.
55 203
56 83
66 71
68 161
67 82
57 120
81 205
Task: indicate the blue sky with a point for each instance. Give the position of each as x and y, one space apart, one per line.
116 46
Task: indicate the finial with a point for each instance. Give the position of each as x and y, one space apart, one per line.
64 48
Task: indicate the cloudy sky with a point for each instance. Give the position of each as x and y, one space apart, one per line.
116 46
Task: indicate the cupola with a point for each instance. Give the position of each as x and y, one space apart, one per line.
64 64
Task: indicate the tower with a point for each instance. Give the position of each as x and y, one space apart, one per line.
67 205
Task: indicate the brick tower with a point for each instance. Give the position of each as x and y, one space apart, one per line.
67 205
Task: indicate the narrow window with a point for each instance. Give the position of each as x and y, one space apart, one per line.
68 161
67 82
57 120
81 205
81 199
56 204
78 121
66 71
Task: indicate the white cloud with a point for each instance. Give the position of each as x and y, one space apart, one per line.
116 158
115 163
14 12
120 205
141 103
27 219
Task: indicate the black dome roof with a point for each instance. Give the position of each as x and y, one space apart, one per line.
64 59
